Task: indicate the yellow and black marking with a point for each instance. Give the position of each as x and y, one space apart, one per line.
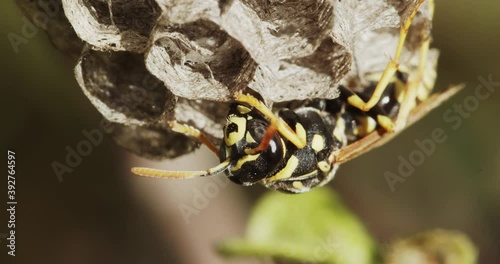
297 149
353 123
282 165
294 150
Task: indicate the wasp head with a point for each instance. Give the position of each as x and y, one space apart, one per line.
244 130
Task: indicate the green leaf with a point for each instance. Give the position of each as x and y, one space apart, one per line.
314 227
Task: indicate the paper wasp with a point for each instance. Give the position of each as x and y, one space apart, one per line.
296 150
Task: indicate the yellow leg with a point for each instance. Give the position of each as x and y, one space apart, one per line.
414 82
282 127
193 132
389 71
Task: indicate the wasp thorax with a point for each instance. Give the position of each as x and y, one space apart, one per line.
244 130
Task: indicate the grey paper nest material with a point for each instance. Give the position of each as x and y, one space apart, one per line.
147 62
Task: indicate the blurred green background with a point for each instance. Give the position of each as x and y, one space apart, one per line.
99 213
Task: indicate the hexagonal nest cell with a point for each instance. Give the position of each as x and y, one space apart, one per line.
144 63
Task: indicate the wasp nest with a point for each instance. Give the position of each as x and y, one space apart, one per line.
143 63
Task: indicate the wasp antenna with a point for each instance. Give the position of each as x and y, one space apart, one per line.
148 172
193 132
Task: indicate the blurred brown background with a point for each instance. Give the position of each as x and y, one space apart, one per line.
100 213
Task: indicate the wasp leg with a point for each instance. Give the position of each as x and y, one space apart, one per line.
375 112
374 140
415 87
296 137
390 69
193 132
